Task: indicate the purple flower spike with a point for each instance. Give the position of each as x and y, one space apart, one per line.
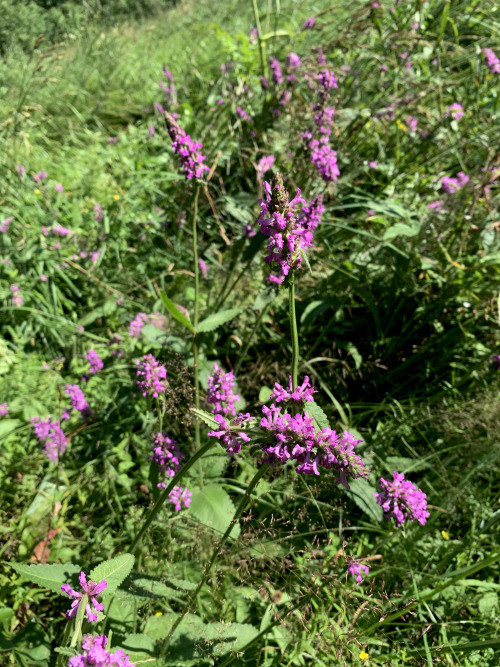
4 409
492 61
78 401
135 327
180 496
220 392
5 224
17 299
358 570
264 165
95 654
309 23
95 362
153 376
92 590
167 456
190 158
402 500
229 434
301 394
276 73
203 268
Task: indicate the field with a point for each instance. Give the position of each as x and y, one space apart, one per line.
249 268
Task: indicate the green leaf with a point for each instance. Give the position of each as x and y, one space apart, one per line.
213 507
361 492
115 571
175 312
48 576
8 426
264 394
488 602
216 320
206 417
158 627
399 229
139 649
316 412
405 464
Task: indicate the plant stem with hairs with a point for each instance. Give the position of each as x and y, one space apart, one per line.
294 332
196 314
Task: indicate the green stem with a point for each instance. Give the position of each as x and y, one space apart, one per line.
160 414
196 314
259 38
243 353
208 567
161 500
295 334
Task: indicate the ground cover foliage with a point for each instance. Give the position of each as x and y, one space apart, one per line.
398 316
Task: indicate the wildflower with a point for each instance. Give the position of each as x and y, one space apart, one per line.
324 159
309 23
78 401
153 376
116 197
166 455
321 57
496 359
253 35
57 230
21 170
284 98
95 654
401 499
373 164
98 213
445 535
411 122
95 362
135 327
264 82
301 394
229 434
327 82
358 570
158 320
452 184
95 256
492 61
180 496
50 434
92 590
292 61
43 277
455 110
191 160
434 205
17 299
151 131
112 140
41 176
276 73
203 268
243 115
363 655
220 392
37 191
59 188
264 165
279 221
5 224
4 409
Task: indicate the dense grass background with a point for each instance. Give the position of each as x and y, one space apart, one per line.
399 319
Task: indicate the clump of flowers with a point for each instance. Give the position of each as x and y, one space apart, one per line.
220 392
301 394
264 165
401 500
179 497
5 224
309 23
455 110
78 400
191 160
51 435
492 61
358 570
4 409
203 268
17 299
452 184
95 654
135 327
276 73
167 456
311 213
152 376
95 362
229 434
92 590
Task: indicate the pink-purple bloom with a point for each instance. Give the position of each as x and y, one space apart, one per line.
191 160
78 400
95 362
40 176
152 376
92 590
220 392
135 327
5 224
57 230
95 654
303 393
492 61
59 187
402 500
309 23
4 409
52 437
358 570
244 115
17 299
179 497
98 213
264 165
167 456
203 268
276 73
229 434
455 110
452 184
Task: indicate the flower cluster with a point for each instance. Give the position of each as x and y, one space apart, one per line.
220 392
358 570
95 362
50 434
455 110
152 374
4 409
5 224
202 265
167 456
17 299
402 500
229 434
311 213
244 115
95 654
191 159
169 88
78 401
301 394
180 496
135 327
92 590
452 184
264 165
287 237
276 73
492 61
309 23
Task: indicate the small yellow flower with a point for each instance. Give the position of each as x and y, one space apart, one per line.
85 210
159 613
445 535
148 295
401 126
37 191
363 655
116 197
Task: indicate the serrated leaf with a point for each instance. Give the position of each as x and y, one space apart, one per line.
48 576
316 412
213 507
115 571
216 320
404 464
362 493
175 312
139 648
206 417
158 627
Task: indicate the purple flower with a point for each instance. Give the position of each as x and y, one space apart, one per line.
17 299
264 82
112 140
324 159
309 23
284 98
57 230
59 188
292 61
327 82
135 327
5 224
373 164
21 170
95 654
95 256
264 165
402 500
43 277
253 35
434 205
301 394
452 184
496 360
78 401
4 409
203 268
167 456
276 73
243 115
41 176
92 590
191 160
98 213
220 392
492 61
180 496
411 121
50 434
151 131
279 221
95 362
153 376
455 110
229 434
158 320
358 570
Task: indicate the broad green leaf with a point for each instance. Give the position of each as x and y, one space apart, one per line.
139 648
175 312
7 426
361 492
316 412
264 394
115 571
206 417
400 229
488 602
6 616
216 320
48 576
213 507
405 464
158 626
